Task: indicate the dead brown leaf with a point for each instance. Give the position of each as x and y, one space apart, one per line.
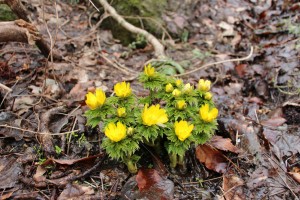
73 191
146 178
224 144
212 158
295 175
273 122
232 187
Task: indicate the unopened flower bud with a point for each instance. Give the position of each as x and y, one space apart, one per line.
121 112
181 105
130 131
169 88
178 82
208 96
187 89
176 93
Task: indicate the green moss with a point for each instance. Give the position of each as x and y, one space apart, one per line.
137 8
6 14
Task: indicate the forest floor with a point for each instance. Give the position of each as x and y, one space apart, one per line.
254 154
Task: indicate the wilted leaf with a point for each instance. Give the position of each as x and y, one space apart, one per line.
295 175
146 178
223 144
232 187
284 144
9 172
71 161
148 184
212 158
73 191
39 174
273 122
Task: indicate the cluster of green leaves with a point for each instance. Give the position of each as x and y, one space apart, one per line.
143 133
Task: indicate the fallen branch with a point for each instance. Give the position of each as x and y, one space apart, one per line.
17 7
218 62
159 49
18 31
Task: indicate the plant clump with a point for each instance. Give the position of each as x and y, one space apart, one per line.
174 113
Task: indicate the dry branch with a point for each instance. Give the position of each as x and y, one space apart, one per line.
158 47
18 31
17 7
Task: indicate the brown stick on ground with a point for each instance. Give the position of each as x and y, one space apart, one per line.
158 47
18 31
17 7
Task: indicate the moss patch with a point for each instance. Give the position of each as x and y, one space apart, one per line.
134 9
6 14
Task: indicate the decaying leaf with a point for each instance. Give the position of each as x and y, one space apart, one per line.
73 191
212 158
224 144
9 171
232 187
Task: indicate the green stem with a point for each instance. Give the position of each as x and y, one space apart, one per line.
131 167
173 160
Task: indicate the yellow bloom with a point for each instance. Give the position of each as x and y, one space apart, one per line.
122 89
204 85
169 88
178 82
180 105
206 114
96 100
130 131
176 93
115 132
207 96
149 70
154 115
183 129
187 88
121 112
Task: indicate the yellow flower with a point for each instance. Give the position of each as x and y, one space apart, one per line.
207 96
206 114
96 100
121 112
187 88
180 105
169 88
176 93
183 129
130 131
154 115
178 82
115 132
149 70
204 85
122 89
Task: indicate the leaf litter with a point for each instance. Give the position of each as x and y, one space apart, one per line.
255 151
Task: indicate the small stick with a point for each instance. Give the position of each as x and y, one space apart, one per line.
219 62
5 87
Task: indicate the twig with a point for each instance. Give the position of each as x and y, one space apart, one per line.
5 87
35 132
219 62
159 49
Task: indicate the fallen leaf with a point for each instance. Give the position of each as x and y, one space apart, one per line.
295 176
241 69
273 122
39 174
212 158
146 178
9 171
73 191
224 144
232 187
71 161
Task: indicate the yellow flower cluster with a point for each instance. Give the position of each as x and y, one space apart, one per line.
96 100
115 132
122 89
183 130
154 115
207 114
